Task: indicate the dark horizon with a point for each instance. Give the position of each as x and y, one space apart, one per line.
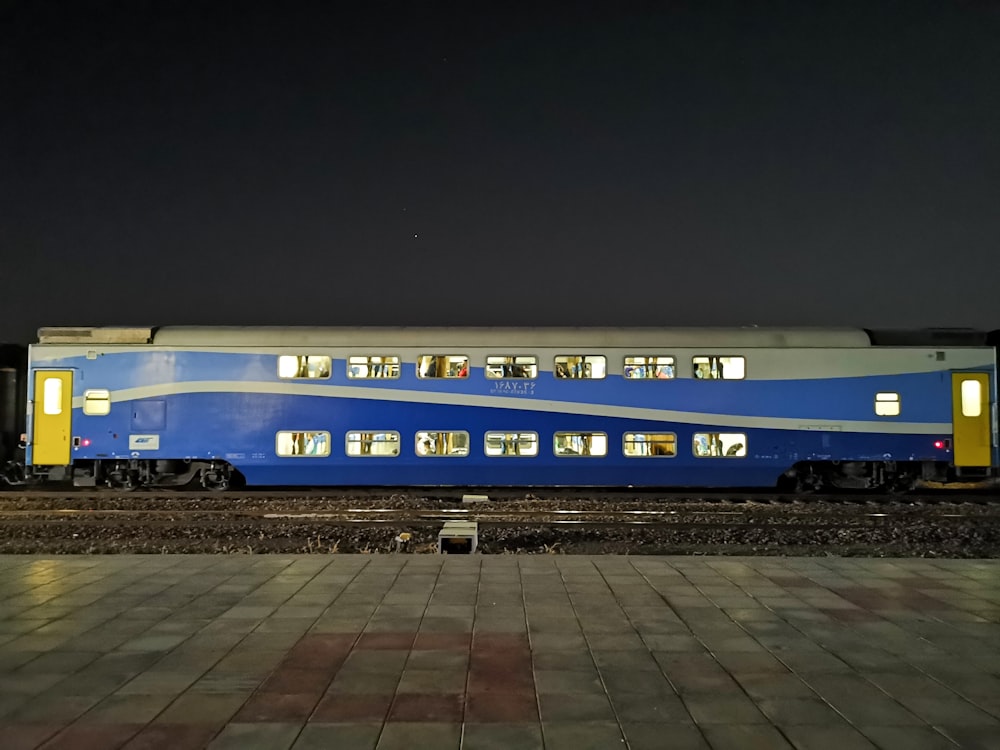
676 165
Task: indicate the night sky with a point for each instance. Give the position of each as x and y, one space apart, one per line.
679 163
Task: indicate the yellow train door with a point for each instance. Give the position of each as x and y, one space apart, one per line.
970 403
52 417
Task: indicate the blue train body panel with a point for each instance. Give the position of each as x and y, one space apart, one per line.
229 405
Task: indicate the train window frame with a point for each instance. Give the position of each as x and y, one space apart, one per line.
302 363
389 437
425 438
449 360
716 447
887 404
650 368
717 364
971 398
97 402
511 361
645 444
562 369
374 363
510 437
561 451
306 437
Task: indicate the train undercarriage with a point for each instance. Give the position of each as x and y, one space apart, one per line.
891 476
804 477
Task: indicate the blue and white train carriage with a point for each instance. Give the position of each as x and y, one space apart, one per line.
739 407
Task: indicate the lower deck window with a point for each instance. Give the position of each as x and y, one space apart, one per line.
720 444
290 443
511 444
372 443
450 443
649 444
580 444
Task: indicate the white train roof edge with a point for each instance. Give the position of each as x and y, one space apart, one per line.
468 336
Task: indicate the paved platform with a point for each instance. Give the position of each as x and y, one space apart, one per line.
480 652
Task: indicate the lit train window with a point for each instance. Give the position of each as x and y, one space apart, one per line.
720 445
580 366
640 367
719 368
972 398
636 444
444 443
442 366
303 366
511 444
372 443
498 368
96 402
580 444
52 396
305 443
372 367
887 404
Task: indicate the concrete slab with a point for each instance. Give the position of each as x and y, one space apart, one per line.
385 651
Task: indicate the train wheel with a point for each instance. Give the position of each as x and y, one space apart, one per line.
216 478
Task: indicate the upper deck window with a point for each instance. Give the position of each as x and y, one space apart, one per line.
580 366
303 366
368 367
442 366
643 367
715 367
511 366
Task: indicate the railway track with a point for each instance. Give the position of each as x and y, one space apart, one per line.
351 521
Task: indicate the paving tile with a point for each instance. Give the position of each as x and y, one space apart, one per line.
278 707
581 736
172 737
427 707
910 738
502 737
505 708
745 737
202 709
657 736
711 708
407 736
353 707
561 707
318 736
432 680
92 737
256 736
27 736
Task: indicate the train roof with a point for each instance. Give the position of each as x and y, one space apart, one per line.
258 336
